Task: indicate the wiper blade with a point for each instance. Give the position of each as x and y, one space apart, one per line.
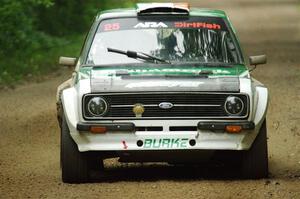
138 55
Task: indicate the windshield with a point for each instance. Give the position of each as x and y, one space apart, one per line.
195 40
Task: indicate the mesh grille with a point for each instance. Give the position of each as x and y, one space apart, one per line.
188 105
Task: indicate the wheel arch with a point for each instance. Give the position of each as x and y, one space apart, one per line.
59 108
69 103
260 105
259 112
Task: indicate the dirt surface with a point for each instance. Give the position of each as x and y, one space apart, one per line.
29 143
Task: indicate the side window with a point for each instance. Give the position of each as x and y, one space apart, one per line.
232 54
87 41
229 50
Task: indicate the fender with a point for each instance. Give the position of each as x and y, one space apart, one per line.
260 107
70 104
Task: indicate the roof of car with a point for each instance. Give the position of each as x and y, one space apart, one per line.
125 12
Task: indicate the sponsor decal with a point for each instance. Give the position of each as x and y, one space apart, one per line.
151 25
117 24
197 25
111 26
166 143
146 84
104 73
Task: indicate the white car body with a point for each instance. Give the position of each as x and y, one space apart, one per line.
162 83
71 99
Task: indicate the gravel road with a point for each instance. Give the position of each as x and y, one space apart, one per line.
29 143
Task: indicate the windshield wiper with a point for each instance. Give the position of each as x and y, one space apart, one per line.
138 55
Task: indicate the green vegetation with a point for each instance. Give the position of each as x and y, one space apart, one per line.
34 33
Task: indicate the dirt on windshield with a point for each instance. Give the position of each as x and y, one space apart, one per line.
29 143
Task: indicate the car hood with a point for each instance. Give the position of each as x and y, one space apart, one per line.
137 79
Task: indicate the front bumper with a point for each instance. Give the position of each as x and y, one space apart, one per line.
130 127
122 136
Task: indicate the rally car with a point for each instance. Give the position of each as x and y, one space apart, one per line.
162 82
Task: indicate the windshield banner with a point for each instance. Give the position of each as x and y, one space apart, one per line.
211 23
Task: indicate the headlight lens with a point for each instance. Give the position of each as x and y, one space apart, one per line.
97 106
234 105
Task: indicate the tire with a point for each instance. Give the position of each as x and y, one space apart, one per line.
75 165
59 113
255 160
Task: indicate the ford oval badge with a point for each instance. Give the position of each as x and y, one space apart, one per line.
165 105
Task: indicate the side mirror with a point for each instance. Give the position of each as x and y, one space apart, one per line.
259 59
67 61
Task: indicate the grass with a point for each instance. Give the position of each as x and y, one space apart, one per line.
38 62
41 51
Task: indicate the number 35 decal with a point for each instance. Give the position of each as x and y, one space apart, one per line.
111 26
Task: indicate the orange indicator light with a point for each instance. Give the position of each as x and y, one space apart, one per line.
98 129
233 129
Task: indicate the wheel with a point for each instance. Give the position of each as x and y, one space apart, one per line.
74 164
255 160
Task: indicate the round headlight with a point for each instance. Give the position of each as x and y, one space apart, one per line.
97 106
234 105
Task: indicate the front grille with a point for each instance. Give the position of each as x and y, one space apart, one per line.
185 105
